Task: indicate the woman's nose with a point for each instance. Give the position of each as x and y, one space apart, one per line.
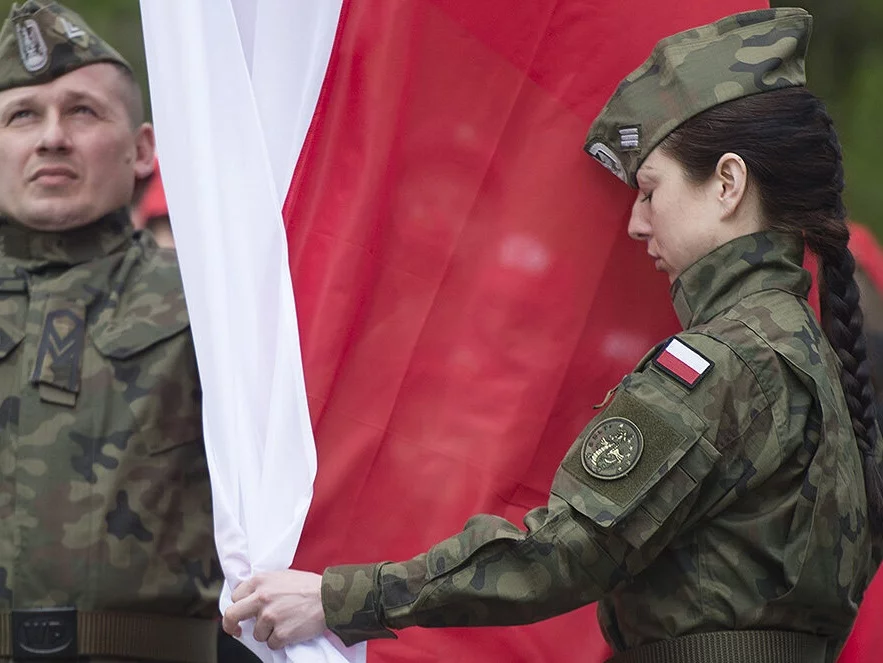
638 227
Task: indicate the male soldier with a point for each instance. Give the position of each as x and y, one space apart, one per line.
106 546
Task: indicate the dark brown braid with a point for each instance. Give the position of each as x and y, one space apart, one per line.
793 156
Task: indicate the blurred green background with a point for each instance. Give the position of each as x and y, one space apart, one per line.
845 68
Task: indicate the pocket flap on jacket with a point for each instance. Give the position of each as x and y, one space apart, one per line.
121 339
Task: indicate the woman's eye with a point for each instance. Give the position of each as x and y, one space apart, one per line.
647 197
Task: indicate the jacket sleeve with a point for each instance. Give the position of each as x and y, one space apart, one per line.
603 524
490 573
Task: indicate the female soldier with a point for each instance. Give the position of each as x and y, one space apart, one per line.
724 505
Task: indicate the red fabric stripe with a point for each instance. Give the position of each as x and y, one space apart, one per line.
678 367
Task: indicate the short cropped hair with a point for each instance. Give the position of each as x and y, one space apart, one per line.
132 95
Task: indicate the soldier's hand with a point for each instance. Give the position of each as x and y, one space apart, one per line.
286 606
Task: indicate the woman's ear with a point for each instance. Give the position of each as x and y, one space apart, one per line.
731 183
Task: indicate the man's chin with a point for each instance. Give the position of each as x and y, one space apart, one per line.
54 219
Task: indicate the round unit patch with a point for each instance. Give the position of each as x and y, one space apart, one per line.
612 448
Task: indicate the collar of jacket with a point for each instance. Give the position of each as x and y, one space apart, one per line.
102 237
741 267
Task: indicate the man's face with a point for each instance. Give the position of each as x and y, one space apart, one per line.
69 152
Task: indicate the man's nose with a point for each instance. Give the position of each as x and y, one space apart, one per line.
54 137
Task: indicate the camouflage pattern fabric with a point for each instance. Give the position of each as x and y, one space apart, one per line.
105 501
746 509
692 71
41 41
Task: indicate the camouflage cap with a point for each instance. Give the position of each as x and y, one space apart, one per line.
41 40
692 71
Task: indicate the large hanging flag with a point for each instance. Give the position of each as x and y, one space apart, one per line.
465 288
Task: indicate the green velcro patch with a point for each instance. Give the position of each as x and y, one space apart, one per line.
663 447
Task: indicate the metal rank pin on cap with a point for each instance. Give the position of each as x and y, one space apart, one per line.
629 138
692 71
42 40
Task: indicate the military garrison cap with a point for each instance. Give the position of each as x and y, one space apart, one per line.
692 71
41 40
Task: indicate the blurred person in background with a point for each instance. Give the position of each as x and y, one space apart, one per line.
150 210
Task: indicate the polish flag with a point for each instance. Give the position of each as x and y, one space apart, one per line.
682 362
412 171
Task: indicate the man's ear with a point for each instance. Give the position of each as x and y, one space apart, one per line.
145 150
730 183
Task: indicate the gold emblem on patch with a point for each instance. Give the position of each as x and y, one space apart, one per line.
612 448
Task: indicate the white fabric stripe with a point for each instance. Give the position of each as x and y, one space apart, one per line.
292 44
245 12
232 246
690 357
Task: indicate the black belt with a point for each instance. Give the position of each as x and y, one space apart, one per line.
731 647
66 633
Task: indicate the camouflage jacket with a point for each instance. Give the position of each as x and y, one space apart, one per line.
104 492
731 500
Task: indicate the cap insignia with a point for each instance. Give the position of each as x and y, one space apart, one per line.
73 32
630 138
608 159
31 45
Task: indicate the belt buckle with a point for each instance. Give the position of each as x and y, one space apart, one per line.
44 633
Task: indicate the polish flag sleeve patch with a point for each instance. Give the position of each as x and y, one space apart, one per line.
683 363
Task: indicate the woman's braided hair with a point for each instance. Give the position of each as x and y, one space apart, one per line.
794 160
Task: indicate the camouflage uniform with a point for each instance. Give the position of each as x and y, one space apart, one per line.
721 491
104 493
105 502
729 519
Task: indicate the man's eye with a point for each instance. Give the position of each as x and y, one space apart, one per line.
21 114
82 110
647 197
